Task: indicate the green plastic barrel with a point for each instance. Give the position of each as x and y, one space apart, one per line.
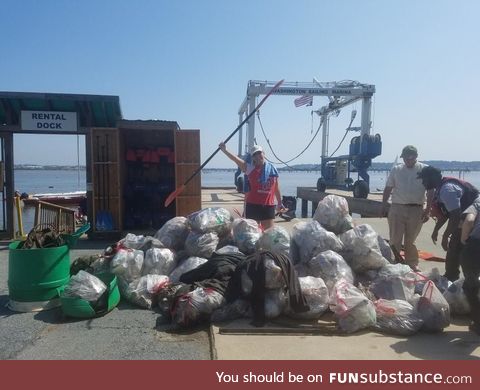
80 308
35 275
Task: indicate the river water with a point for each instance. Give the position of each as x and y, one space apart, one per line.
50 181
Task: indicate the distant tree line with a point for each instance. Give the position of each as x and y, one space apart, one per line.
31 167
381 166
384 166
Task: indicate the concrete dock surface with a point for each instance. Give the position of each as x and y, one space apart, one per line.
129 332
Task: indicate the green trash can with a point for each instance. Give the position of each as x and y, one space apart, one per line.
35 275
80 308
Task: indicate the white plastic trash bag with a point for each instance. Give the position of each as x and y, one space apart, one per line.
245 234
353 310
173 233
159 261
128 264
333 214
84 285
275 239
397 317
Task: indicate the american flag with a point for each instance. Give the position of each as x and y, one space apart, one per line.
304 100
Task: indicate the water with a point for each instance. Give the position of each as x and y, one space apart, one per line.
41 181
289 181
46 181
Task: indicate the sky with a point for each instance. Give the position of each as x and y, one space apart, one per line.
190 61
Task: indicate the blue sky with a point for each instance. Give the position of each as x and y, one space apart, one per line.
190 61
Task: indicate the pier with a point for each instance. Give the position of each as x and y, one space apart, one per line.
370 207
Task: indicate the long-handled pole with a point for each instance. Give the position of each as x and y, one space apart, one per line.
180 189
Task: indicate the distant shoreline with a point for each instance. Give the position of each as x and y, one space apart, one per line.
30 167
464 166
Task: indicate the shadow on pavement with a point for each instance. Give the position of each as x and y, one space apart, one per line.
53 316
440 346
4 310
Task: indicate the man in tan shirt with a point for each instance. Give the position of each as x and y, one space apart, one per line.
407 212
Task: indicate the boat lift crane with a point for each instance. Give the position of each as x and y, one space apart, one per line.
335 171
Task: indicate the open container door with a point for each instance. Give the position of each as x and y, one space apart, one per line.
187 160
106 184
7 212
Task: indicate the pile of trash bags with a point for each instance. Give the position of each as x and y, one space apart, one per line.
209 267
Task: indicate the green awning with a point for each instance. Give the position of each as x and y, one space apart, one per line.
92 110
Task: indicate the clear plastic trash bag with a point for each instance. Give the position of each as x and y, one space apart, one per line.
212 219
274 278
159 261
333 214
276 302
85 286
441 282
225 250
331 267
195 306
385 249
186 265
128 264
316 294
309 239
245 234
201 244
239 308
353 310
433 309
361 250
275 239
456 298
397 317
132 241
142 291
394 281
174 233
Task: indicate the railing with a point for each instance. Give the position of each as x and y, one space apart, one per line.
62 218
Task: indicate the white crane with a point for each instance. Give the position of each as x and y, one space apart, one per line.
340 94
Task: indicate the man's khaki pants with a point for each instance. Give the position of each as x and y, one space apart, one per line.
405 223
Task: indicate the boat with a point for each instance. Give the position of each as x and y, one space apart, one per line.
60 198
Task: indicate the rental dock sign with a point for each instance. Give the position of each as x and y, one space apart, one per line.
49 120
